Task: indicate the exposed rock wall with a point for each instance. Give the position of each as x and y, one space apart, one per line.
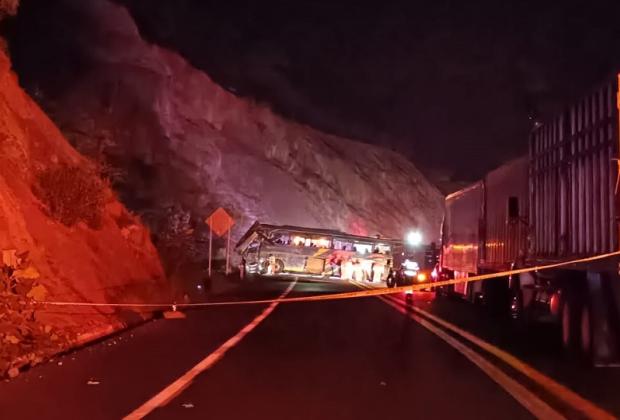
179 139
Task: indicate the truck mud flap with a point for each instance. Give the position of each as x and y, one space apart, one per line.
604 292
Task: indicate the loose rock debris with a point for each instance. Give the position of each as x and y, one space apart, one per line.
24 340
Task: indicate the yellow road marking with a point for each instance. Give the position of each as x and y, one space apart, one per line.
334 296
525 397
564 394
558 390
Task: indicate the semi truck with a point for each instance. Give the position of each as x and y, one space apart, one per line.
558 204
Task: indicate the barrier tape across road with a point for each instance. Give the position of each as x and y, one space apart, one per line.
526 397
337 296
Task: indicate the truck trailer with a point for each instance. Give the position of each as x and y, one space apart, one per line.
557 204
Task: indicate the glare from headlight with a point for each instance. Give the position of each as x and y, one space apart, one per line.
411 265
409 273
421 277
414 238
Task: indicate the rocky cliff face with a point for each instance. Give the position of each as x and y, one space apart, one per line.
95 251
178 141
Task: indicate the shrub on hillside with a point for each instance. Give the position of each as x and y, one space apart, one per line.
8 8
72 194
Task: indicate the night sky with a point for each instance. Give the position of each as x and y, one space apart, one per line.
454 85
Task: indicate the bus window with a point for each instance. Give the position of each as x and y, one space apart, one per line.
252 249
363 248
343 245
280 238
384 249
321 243
299 240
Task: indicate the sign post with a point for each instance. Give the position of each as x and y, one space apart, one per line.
220 223
210 247
228 253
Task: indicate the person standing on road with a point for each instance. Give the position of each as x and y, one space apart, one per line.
271 267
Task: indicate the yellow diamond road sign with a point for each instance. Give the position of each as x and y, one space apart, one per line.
220 222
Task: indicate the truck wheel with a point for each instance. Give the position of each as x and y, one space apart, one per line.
279 266
585 336
570 325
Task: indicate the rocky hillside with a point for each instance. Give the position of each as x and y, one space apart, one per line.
180 143
63 237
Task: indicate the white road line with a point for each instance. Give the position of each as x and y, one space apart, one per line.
172 390
526 398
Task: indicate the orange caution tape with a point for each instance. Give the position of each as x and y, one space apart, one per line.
337 296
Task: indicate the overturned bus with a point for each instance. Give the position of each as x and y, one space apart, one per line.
271 249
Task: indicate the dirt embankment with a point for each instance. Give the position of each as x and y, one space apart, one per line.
63 237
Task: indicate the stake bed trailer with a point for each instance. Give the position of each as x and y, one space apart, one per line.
559 203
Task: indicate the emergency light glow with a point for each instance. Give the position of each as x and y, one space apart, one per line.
411 265
414 238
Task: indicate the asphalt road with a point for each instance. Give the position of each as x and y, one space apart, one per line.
346 359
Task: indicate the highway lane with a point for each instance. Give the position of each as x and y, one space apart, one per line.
342 359
126 369
357 358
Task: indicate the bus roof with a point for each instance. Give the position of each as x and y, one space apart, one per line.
258 229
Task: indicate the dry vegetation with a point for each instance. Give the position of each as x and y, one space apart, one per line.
8 7
72 194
